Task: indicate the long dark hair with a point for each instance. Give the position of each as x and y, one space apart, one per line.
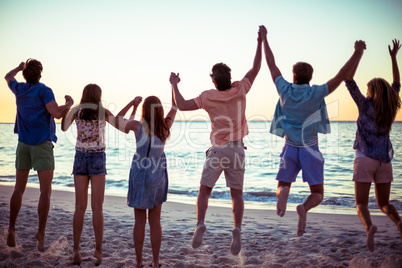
91 106
386 102
152 118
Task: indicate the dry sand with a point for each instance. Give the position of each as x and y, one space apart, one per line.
331 240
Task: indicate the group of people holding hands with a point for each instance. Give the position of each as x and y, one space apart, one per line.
300 115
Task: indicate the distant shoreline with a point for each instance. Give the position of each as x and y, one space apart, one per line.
214 202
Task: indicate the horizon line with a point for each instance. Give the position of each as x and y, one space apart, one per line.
346 121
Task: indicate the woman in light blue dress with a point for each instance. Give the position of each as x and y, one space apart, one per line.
148 181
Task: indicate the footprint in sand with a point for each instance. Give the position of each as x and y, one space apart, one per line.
57 248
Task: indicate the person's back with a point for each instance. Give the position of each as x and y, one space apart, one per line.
226 110
373 148
148 180
149 146
89 167
372 140
301 111
149 184
297 96
300 115
34 124
90 134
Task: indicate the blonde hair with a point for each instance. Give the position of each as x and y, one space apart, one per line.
386 102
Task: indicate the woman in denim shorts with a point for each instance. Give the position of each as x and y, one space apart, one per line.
89 163
373 147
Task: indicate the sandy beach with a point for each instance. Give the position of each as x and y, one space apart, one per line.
267 240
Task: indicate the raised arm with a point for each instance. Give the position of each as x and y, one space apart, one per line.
393 52
182 104
10 76
68 118
125 125
52 107
60 111
169 119
348 70
269 56
134 103
252 73
137 101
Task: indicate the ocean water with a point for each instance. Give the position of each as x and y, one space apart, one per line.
185 152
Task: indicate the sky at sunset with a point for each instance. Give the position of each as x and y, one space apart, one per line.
130 47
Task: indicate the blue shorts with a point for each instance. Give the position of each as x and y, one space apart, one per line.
307 159
89 164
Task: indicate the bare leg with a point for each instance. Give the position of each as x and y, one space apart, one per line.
282 192
97 196
382 193
238 210
81 200
21 180
45 181
202 205
313 200
140 220
154 218
237 206
362 191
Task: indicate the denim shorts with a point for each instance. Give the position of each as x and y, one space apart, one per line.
89 163
308 159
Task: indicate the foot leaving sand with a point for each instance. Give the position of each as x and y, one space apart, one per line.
282 200
11 239
235 246
370 237
198 234
301 226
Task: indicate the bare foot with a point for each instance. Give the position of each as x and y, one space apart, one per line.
198 233
77 258
235 246
301 226
370 237
282 200
11 239
41 242
98 256
155 265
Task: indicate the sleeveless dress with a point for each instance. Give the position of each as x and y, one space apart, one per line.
148 181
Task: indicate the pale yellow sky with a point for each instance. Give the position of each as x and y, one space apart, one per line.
129 48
